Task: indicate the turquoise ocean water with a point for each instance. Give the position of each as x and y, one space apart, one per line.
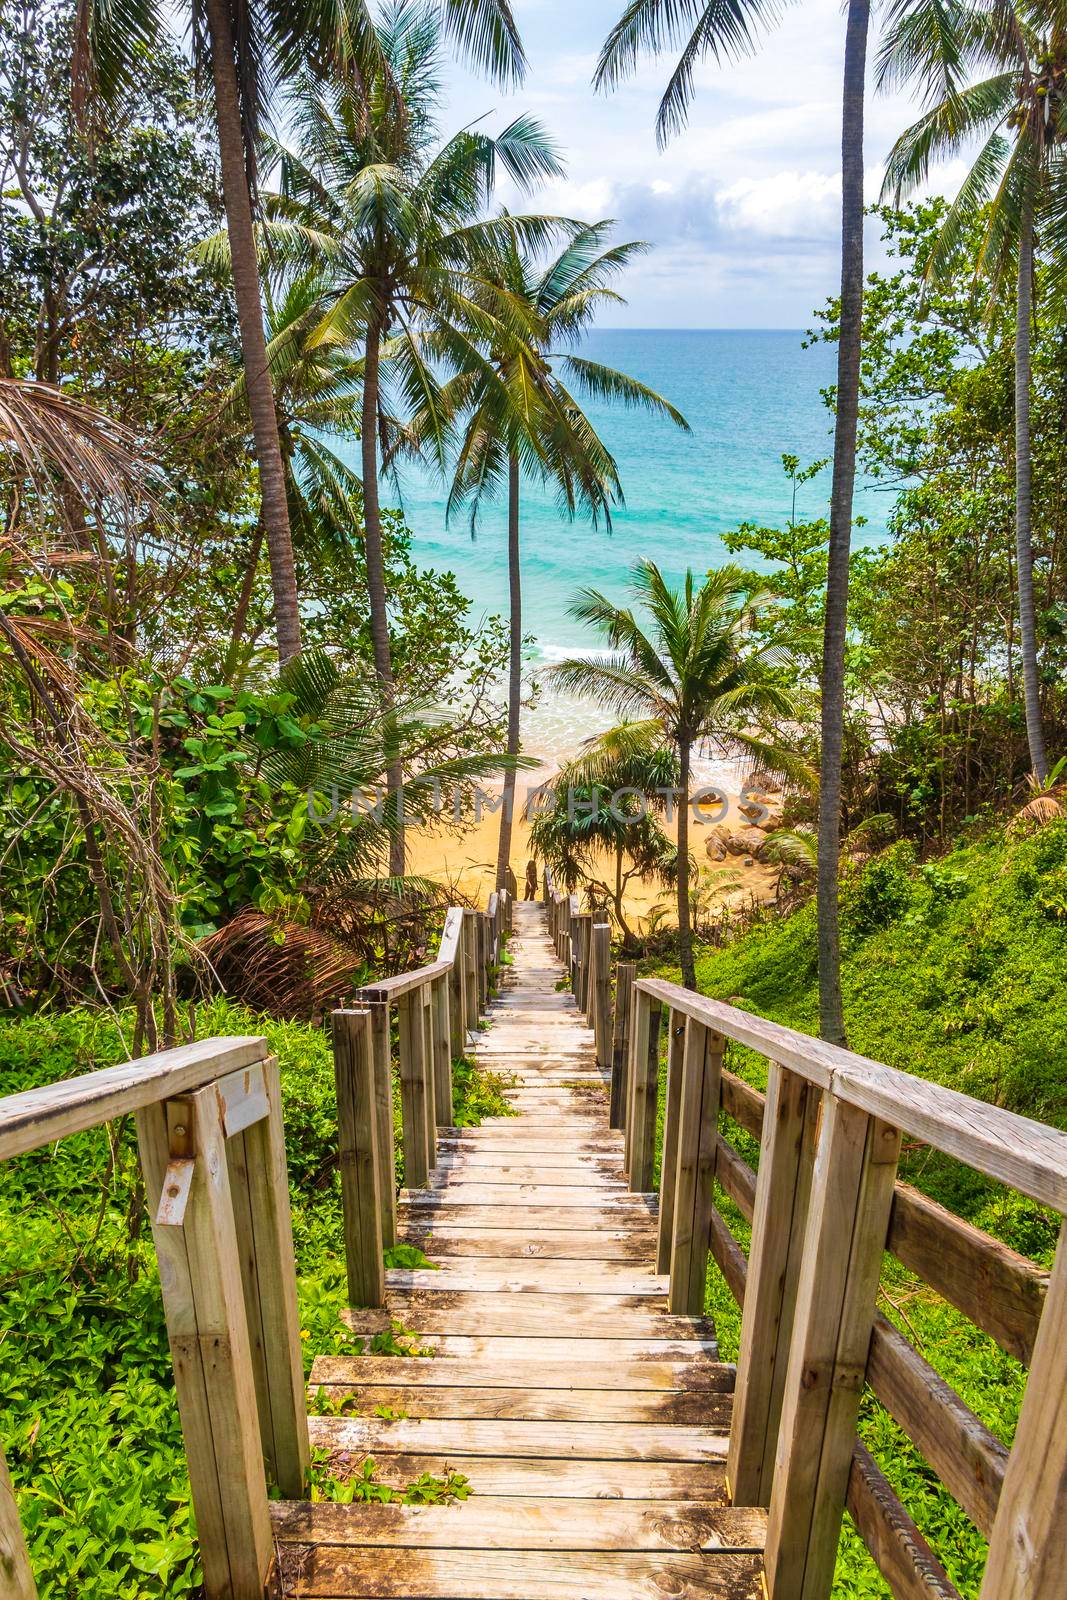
749 396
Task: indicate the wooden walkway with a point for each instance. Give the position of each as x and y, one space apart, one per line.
591 1423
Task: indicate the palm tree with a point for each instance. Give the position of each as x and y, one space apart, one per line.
397 224
1017 179
688 679
728 28
245 49
521 415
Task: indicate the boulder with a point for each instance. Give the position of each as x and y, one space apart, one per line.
745 842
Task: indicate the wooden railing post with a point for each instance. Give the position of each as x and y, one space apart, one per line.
852 1192
16 1576
203 1296
620 1042
694 1163
357 1130
1026 1550
601 994
783 1190
259 1187
413 1107
470 970
452 950
644 1084
442 1051
381 1049
424 1000
668 1172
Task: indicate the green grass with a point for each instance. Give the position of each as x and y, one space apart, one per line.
953 972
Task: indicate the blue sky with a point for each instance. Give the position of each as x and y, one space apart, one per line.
743 208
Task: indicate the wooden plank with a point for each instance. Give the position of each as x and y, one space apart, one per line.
441 1029
641 1120
392 990
55 1110
625 973
488 1522
704 1408
242 1097
1001 1291
598 1198
452 951
418 1160
698 1116
852 1190
16 1575
569 1351
676 1032
609 1244
969 1460
472 1275
583 1441
601 996
427 1211
517 1477
1026 1549
455 1174
172 1251
381 1049
259 1192
357 1130
329 1570
743 1103
699 1372
1024 1154
901 1554
787 1155
597 1315
472 987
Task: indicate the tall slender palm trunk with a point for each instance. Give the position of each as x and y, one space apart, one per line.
831 1012
379 612
246 286
685 927
1024 554
507 813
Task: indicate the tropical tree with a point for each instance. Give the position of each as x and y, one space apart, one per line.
1016 189
244 50
523 415
727 28
608 801
688 678
398 223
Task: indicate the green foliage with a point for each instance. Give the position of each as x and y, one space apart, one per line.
477 1093
361 1486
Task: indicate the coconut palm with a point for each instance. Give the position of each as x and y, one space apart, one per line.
523 415
244 50
397 222
688 677
723 29
1016 186
609 800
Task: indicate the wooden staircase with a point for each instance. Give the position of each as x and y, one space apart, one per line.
591 1423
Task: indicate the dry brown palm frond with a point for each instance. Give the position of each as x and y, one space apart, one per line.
282 967
60 441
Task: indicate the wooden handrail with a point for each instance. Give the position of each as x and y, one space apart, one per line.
824 1205
37 1117
1026 1155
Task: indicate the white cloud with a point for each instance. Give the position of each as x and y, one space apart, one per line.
788 204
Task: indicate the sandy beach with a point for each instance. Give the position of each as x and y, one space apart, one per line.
466 860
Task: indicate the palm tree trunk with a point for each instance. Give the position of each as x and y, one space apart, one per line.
685 931
246 287
1024 554
379 612
503 855
831 1012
